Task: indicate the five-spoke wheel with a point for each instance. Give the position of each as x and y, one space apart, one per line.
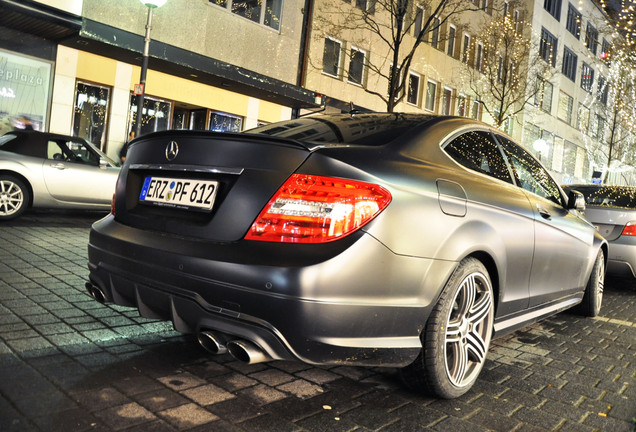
14 197
457 334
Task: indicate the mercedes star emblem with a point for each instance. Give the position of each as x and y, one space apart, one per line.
172 150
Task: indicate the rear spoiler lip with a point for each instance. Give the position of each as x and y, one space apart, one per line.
238 136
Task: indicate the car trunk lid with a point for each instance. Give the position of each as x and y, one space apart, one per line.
237 173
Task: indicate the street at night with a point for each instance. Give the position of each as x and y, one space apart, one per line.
69 363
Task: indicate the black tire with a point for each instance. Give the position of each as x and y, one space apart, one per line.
457 335
593 297
14 197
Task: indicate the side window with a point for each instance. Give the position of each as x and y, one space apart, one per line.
477 151
71 151
530 175
55 152
82 153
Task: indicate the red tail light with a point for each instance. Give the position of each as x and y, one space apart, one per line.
630 229
315 209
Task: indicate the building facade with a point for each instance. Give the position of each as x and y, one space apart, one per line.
71 66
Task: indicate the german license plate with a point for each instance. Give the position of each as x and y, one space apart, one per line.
179 193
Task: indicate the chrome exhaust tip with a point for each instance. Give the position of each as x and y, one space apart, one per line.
247 352
96 292
212 342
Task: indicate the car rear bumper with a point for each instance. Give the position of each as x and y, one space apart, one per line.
622 257
365 305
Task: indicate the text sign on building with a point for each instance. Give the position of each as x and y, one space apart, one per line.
139 89
24 91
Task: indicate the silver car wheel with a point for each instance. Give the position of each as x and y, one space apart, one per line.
468 329
600 286
13 197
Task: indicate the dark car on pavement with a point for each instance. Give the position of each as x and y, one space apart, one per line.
47 170
377 239
612 210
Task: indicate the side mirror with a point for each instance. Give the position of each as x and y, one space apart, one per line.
103 163
576 200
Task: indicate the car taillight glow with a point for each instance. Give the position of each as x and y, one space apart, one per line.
630 229
317 209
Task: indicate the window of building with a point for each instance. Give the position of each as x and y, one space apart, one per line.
591 37
475 112
605 47
431 95
587 77
450 45
573 23
584 118
435 32
90 117
602 91
155 114
484 5
413 96
366 5
569 64
598 130
553 7
357 62
543 98
417 24
500 69
566 103
223 122
479 56
548 47
569 157
466 48
518 23
447 101
265 12
331 57
506 8
462 105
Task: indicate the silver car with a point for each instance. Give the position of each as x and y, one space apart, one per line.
612 210
39 169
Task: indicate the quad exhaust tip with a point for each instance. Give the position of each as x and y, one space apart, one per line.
247 352
212 342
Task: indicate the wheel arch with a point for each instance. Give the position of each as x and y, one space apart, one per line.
22 178
491 266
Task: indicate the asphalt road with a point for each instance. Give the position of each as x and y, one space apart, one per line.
68 363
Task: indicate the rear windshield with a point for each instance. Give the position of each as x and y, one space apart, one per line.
363 129
8 142
609 196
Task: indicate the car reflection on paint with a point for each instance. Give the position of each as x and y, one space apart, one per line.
370 239
46 170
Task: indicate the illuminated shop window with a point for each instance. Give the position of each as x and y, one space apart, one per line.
155 114
90 117
222 122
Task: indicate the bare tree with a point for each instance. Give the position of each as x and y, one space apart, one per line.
400 26
615 109
505 77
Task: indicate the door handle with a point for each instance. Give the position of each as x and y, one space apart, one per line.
544 213
59 166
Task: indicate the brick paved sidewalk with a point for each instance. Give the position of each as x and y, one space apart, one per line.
68 363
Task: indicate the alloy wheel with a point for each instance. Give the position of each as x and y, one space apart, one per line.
468 327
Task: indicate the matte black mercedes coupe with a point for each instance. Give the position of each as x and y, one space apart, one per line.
370 239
